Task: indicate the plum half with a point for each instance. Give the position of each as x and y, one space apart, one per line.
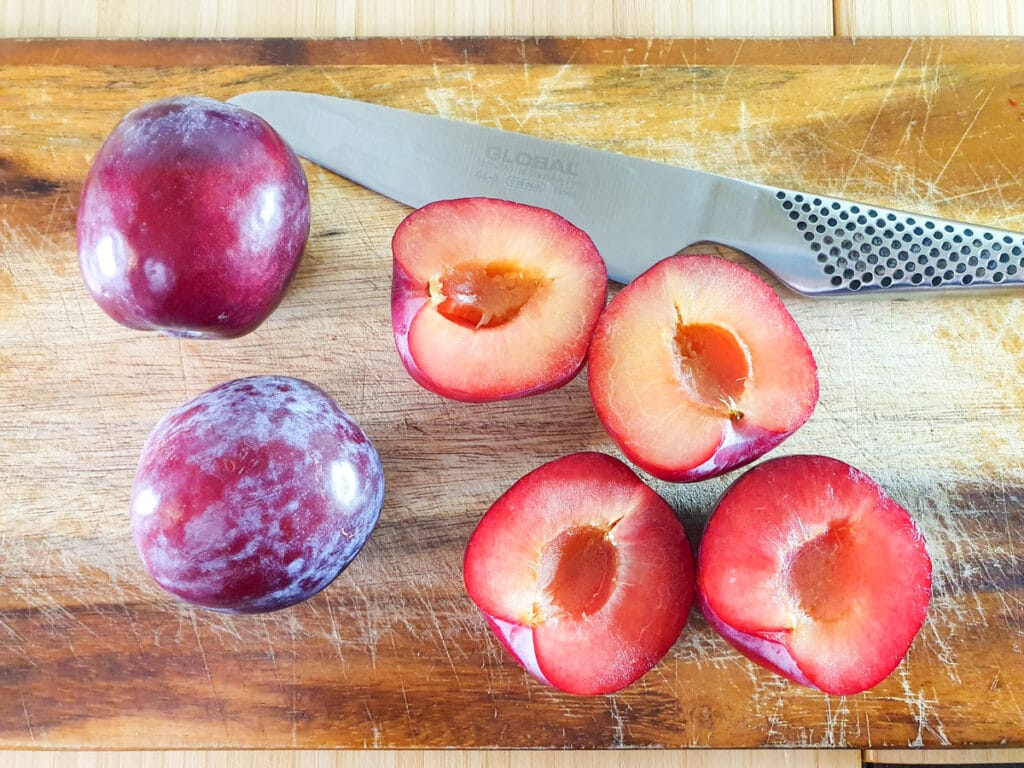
697 367
584 573
254 495
809 568
493 300
193 219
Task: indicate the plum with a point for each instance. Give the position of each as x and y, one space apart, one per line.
193 219
255 495
493 300
583 572
697 368
809 568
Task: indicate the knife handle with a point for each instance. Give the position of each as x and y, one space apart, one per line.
862 249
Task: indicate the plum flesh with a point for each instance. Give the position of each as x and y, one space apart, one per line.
583 572
808 567
697 368
493 300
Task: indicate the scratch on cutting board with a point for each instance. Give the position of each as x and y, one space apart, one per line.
18 641
28 720
296 712
339 88
333 635
963 136
959 564
511 113
58 199
271 653
439 634
123 606
732 66
367 621
860 153
446 99
202 653
747 135
470 73
946 535
618 725
642 66
408 711
768 701
376 729
526 62
35 592
185 395
223 627
992 191
921 710
928 85
705 648
1020 713
546 87
445 638
837 716
455 95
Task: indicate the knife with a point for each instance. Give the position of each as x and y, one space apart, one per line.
639 211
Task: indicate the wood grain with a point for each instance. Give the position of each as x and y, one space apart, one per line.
375 18
921 394
433 759
865 18
644 18
1003 756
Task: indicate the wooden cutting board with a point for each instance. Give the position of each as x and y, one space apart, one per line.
925 395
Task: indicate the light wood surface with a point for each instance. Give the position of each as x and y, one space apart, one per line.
928 17
364 18
1002 756
367 18
19 18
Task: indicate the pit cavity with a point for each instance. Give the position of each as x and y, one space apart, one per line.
713 365
482 295
577 570
823 574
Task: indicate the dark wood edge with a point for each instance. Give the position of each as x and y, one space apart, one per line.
997 51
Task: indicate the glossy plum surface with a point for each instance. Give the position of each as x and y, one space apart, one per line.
808 567
193 219
492 299
255 495
697 368
583 572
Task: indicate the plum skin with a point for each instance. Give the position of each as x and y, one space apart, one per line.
627 619
193 219
804 482
254 495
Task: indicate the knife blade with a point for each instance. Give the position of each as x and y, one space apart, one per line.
639 211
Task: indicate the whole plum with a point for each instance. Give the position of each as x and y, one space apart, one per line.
255 495
193 219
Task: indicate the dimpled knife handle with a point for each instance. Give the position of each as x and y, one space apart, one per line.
861 248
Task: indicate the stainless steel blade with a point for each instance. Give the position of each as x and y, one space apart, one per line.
638 211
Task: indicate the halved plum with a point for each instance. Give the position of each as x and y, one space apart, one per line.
583 572
697 367
493 300
808 567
